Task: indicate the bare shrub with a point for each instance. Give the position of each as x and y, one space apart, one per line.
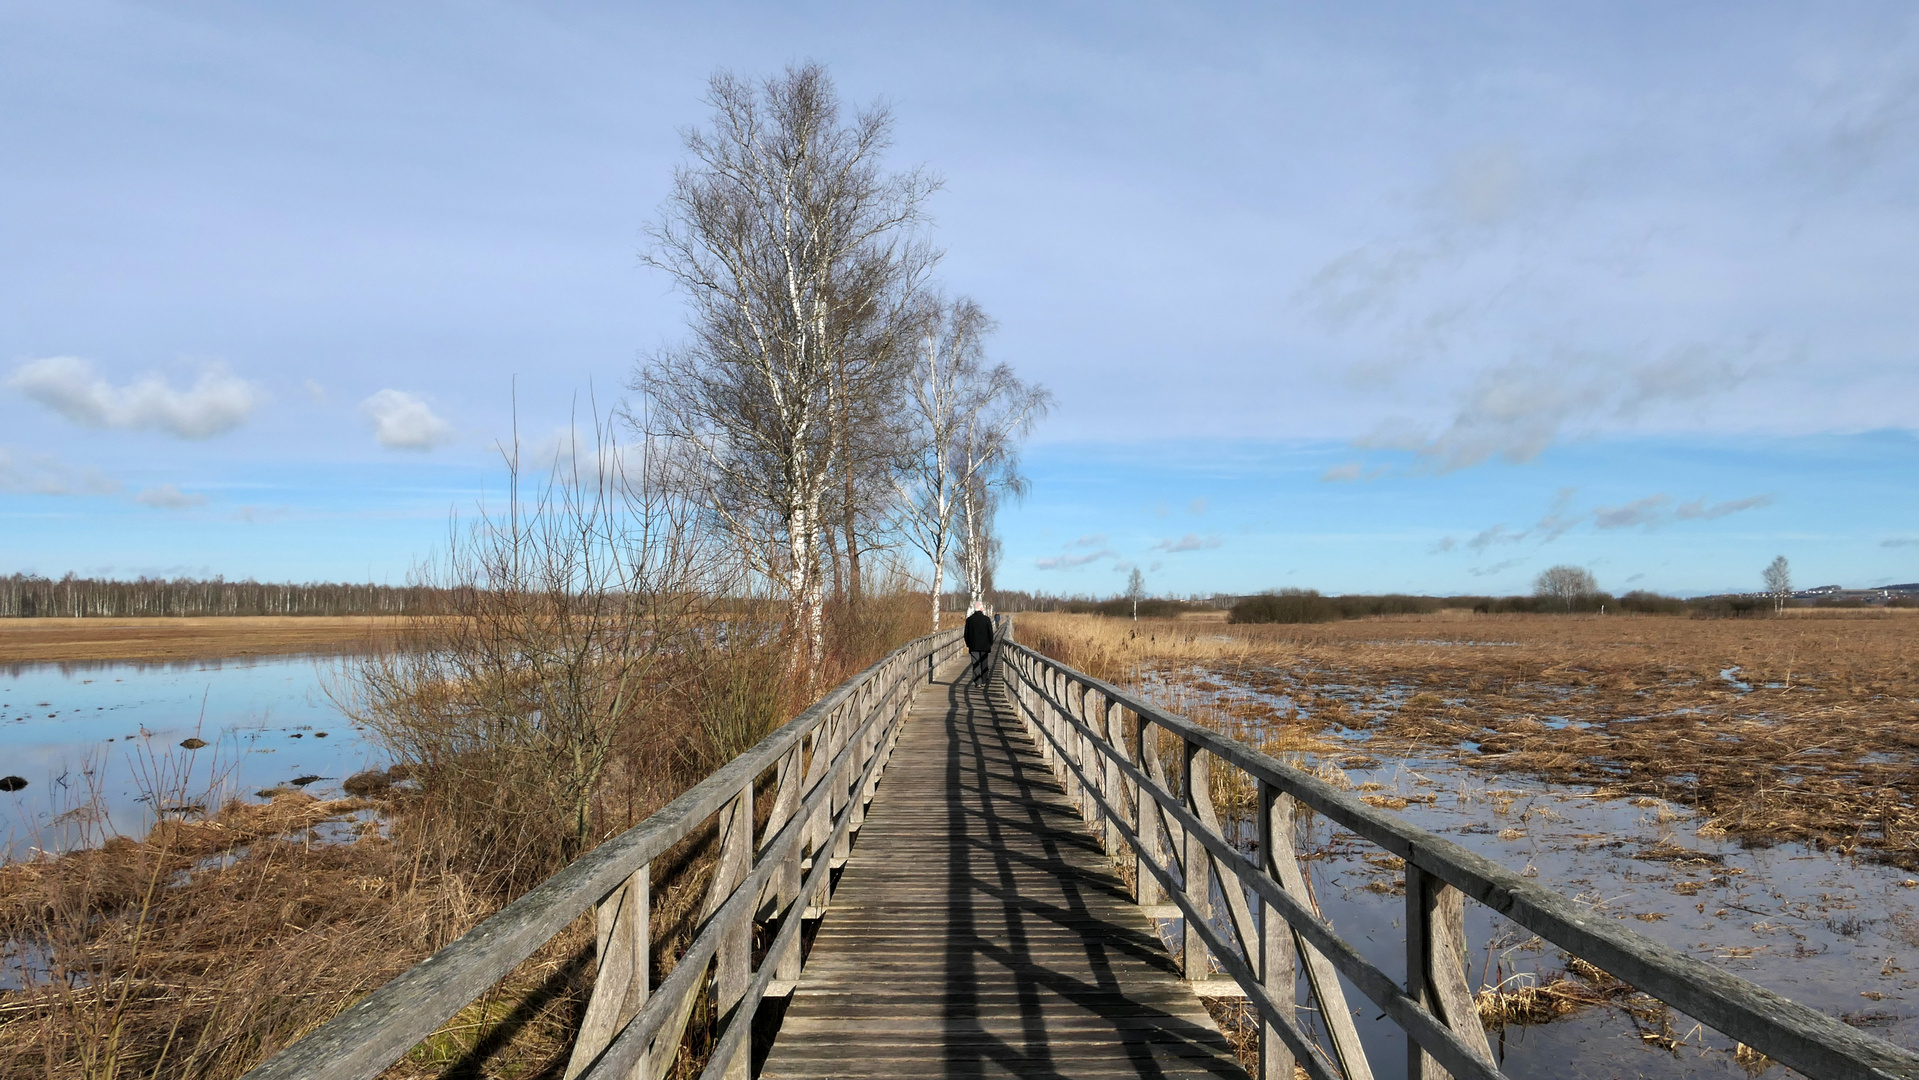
573 612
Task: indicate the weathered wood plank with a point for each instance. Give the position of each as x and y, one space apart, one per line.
979 930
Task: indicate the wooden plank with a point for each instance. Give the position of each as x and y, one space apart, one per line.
979 928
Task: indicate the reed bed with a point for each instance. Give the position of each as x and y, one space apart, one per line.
1803 728
235 925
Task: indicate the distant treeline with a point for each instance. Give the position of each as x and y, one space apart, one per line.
1308 606
1149 608
27 596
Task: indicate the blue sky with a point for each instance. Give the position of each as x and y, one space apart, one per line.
1361 297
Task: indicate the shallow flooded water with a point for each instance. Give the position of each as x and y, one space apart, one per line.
1833 932
98 744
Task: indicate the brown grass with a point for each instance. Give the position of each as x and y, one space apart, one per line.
1823 748
29 641
218 939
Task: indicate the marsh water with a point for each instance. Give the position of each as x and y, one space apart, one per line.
1836 933
98 744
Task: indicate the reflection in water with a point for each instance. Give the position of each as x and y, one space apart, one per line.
72 730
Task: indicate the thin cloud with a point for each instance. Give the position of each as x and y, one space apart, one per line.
1698 510
1341 474
1189 542
1089 540
1442 545
1071 562
1900 541
169 497
1495 568
45 474
403 421
1498 534
1559 521
1196 507
1649 511
216 403
1513 412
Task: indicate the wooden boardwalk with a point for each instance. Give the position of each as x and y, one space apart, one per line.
978 931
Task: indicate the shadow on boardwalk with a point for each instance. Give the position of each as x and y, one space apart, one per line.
978 931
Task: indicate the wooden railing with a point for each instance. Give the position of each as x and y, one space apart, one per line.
822 767
1105 746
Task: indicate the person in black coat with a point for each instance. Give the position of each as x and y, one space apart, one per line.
979 640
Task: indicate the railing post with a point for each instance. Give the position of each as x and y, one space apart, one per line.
1436 968
1198 868
1084 750
1275 965
1110 777
1146 890
623 946
787 896
735 958
1068 739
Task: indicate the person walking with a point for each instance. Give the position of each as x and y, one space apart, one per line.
979 639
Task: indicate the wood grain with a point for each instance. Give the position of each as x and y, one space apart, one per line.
979 931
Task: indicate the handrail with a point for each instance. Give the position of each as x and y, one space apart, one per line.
1112 767
827 762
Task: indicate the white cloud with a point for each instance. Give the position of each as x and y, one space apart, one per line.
168 497
1189 542
403 421
315 391
217 402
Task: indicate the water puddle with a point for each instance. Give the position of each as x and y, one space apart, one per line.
114 730
1837 934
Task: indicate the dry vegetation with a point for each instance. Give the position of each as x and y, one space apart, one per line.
225 934
1796 728
158 640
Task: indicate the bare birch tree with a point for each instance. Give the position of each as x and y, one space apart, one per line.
1004 414
774 232
969 419
976 546
1778 578
950 348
